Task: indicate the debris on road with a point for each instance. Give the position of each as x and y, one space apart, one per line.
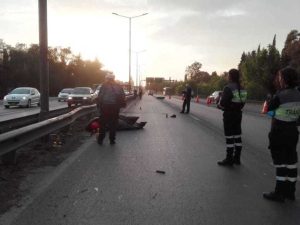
160 171
96 189
173 116
82 191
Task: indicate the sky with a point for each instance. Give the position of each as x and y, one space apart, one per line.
173 35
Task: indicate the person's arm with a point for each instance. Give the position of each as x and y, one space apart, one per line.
122 98
226 97
273 103
100 95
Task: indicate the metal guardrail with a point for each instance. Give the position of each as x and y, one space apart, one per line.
8 125
12 140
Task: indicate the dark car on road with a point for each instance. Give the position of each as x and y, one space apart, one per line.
63 95
81 96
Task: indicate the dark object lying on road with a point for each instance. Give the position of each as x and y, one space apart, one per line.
124 123
160 171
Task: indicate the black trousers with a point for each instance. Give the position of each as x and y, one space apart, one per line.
283 145
233 132
186 103
109 115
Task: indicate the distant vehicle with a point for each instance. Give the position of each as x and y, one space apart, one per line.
167 91
22 96
64 94
215 97
82 96
150 92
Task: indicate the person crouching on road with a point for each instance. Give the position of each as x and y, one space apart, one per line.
232 102
283 137
187 94
111 98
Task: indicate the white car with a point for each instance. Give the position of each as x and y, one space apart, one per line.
22 96
63 95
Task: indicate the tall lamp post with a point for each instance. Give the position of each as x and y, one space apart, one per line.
130 17
137 83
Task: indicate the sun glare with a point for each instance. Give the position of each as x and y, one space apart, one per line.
105 38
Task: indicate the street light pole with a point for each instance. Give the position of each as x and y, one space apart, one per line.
129 72
137 67
129 17
44 68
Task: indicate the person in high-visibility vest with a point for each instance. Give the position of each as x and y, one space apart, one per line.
283 137
232 102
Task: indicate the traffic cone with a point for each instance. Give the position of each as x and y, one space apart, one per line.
208 101
197 99
265 108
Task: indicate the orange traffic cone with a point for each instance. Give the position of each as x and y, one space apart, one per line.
197 99
265 108
208 101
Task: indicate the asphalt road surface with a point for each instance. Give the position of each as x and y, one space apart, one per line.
119 184
16 112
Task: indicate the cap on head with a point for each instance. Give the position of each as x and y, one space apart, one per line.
110 77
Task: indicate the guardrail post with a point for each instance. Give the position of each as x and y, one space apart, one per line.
9 158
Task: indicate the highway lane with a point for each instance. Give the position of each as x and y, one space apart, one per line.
119 184
16 112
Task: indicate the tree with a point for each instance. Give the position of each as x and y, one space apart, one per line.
290 55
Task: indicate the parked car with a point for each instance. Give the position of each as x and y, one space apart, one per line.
82 96
22 96
63 95
215 97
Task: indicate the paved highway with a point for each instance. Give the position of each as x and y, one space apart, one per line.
119 184
16 112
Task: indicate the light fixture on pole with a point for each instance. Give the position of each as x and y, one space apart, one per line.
130 17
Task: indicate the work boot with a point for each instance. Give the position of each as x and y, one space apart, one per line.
290 188
237 157
274 196
228 161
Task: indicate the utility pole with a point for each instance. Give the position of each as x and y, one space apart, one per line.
44 66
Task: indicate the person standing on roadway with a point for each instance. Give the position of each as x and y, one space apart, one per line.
187 94
232 102
111 98
284 108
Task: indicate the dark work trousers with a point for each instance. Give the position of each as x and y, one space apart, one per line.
233 132
109 115
283 146
186 103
